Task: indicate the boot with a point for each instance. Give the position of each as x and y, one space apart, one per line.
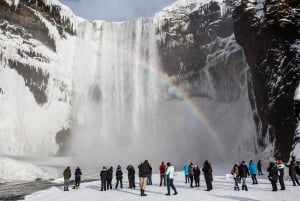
246 188
243 187
143 193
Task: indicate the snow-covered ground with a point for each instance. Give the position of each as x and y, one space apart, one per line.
222 190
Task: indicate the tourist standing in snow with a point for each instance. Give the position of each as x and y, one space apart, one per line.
109 177
170 178
149 176
144 169
103 178
77 177
131 176
186 173
197 173
191 174
280 167
244 172
259 168
162 170
273 177
207 171
119 177
67 176
292 171
253 171
235 173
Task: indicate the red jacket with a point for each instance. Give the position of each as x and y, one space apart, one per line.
162 169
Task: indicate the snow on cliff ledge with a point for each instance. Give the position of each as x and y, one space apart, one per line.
65 11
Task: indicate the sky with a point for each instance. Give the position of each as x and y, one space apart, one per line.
116 10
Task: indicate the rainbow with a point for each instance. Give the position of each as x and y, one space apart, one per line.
194 105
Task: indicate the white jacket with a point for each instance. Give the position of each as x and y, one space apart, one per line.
280 166
170 172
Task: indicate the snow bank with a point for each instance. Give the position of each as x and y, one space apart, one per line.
222 191
14 170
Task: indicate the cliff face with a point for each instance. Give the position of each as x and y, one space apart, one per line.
25 20
269 33
199 45
32 87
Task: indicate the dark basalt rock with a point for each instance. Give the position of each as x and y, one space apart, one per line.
35 79
274 67
188 46
63 139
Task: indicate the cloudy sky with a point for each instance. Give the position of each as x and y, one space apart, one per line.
116 10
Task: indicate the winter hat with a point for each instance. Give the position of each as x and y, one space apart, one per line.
119 167
168 164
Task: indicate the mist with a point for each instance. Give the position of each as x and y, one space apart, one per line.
125 111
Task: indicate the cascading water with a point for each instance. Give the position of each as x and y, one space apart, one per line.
126 108
116 104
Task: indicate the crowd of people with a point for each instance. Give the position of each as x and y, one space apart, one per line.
192 173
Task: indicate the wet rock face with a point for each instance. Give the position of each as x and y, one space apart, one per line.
187 36
203 39
268 41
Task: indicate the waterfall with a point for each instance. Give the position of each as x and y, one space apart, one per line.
116 87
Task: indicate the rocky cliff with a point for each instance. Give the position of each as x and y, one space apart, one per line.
269 32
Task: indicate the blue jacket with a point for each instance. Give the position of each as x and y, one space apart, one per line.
252 168
186 170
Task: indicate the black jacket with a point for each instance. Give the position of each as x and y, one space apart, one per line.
243 171
272 172
207 171
131 171
77 172
110 173
119 174
103 175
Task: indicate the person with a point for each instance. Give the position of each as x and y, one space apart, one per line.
259 168
186 173
119 176
149 176
109 177
273 177
77 177
103 178
131 176
67 175
144 169
280 168
244 172
292 171
197 173
162 170
191 174
207 171
253 171
170 179
235 173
